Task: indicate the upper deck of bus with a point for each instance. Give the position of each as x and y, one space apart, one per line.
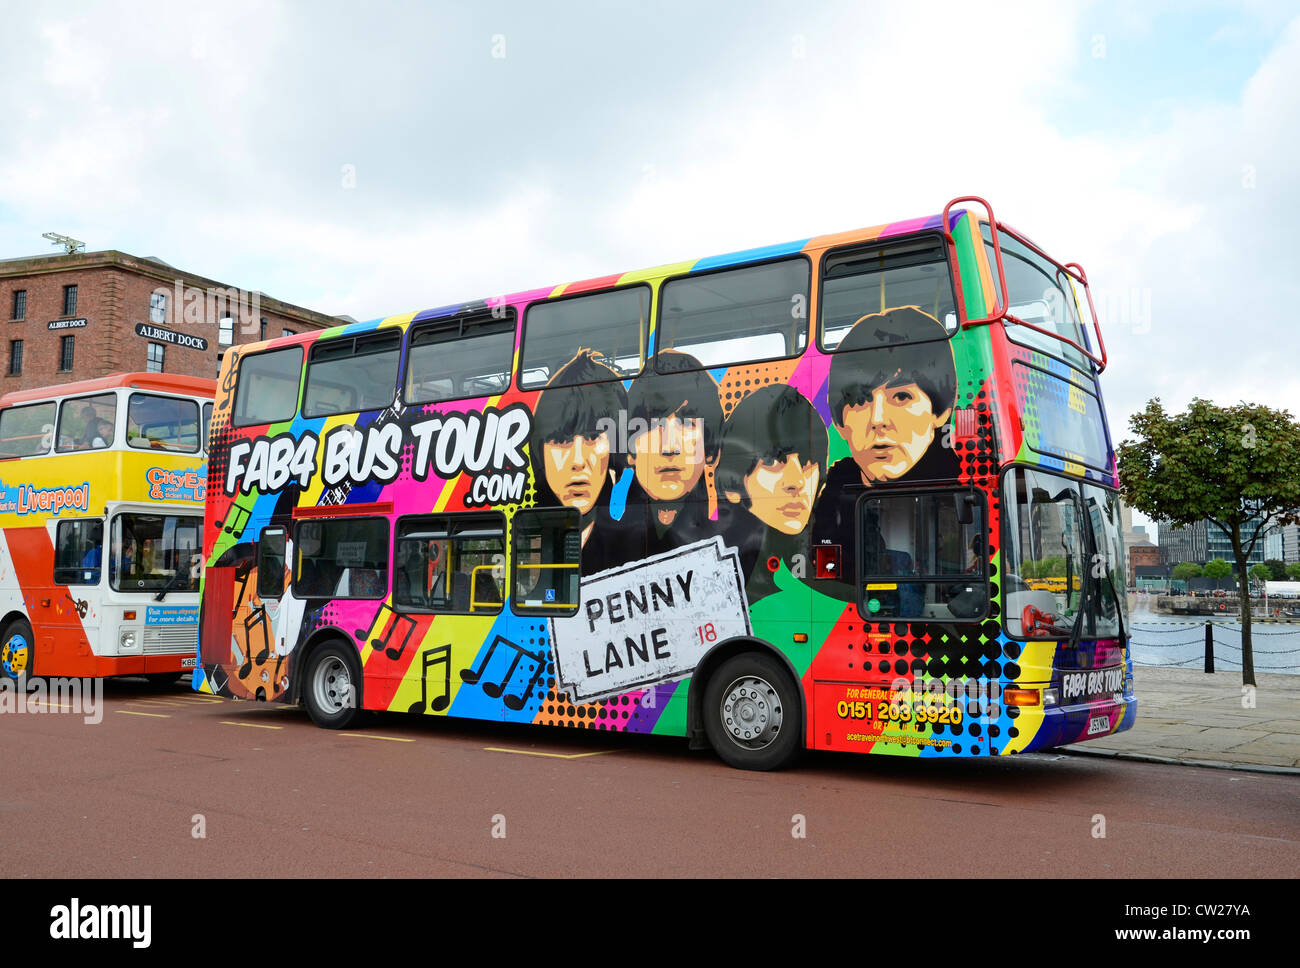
1026 352
128 437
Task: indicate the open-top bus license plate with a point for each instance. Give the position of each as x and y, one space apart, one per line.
1086 685
189 662
1098 724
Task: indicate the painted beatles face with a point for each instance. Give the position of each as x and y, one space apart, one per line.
669 459
577 470
890 432
781 492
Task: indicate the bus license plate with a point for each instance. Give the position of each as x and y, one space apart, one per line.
189 662
1098 724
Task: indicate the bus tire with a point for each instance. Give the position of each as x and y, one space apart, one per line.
17 650
332 686
751 713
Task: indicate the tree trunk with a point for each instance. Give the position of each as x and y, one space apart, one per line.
1243 589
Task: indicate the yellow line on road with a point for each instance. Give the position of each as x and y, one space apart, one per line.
227 722
50 705
128 712
156 702
391 739
558 756
201 700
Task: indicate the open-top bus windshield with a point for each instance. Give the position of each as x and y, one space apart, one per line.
155 551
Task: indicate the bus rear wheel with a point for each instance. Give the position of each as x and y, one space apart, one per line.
17 650
751 713
332 688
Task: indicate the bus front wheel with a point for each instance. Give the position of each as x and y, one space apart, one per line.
751 713
332 690
17 650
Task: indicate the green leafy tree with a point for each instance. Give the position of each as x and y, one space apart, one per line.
1293 571
1187 570
1237 467
1261 573
1217 568
1276 569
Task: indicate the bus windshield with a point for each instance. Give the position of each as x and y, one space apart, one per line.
1063 556
155 551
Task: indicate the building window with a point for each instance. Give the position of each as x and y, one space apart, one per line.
226 330
155 362
286 332
158 307
15 357
69 300
20 304
66 349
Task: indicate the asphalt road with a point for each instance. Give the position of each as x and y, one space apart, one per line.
272 795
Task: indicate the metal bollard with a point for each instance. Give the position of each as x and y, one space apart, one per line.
1209 647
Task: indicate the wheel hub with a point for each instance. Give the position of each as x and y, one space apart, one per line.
751 712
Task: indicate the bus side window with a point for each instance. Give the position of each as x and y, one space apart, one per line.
79 552
547 552
450 563
270 563
923 555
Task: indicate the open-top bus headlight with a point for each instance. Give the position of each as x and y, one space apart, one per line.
1049 696
127 641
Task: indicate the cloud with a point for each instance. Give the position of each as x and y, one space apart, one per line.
621 137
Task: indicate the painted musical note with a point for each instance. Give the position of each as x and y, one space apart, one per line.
243 573
228 381
235 520
255 618
398 618
440 655
494 689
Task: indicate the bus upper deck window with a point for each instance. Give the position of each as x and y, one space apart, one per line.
868 280
27 431
352 374
463 356
611 325
737 315
267 391
86 423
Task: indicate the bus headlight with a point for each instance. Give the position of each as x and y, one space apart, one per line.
1049 696
127 642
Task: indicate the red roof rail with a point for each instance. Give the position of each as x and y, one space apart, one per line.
1001 306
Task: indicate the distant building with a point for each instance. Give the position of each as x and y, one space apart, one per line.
1142 556
1204 541
83 315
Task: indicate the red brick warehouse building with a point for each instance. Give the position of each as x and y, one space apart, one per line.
87 314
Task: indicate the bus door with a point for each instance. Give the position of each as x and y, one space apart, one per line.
69 610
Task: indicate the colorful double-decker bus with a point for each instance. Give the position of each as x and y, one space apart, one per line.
773 500
102 489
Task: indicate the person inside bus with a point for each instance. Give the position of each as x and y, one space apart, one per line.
569 448
674 436
892 386
772 464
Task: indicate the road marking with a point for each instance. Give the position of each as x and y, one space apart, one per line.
51 705
228 722
156 702
201 700
391 739
558 756
128 712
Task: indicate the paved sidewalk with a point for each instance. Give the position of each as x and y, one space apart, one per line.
1187 716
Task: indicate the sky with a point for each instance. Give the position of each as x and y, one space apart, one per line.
370 159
